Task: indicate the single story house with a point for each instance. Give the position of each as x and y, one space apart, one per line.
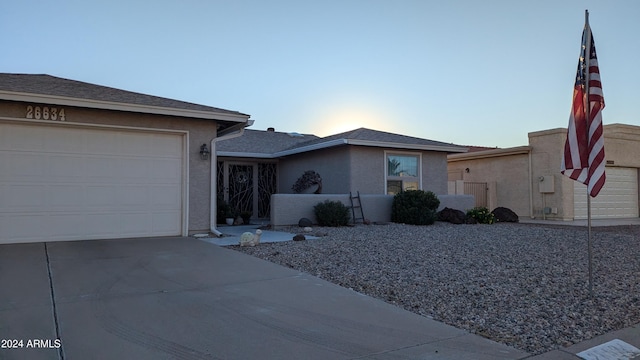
82 161
527 179
257 164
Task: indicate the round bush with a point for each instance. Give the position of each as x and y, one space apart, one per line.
331 213
481 215
415 207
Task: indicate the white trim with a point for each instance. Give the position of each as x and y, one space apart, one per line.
393 145
109 105
185 153
307 148
244 155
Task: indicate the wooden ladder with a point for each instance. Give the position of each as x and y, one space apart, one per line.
356 205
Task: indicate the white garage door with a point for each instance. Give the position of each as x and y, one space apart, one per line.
617 199
70 183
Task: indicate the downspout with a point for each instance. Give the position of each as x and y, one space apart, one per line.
530 188
213 218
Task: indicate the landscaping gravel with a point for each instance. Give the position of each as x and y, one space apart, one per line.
523 285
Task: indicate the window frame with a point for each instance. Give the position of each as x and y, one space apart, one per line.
417 178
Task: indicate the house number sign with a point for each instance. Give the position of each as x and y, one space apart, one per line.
45 113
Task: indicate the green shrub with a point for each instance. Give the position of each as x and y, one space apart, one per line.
482 215
415 207
331 213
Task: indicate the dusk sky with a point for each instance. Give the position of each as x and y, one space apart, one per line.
465 72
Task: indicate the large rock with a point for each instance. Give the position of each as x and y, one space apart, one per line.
504 214
452 215
304 222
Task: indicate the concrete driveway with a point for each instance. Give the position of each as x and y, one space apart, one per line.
182 298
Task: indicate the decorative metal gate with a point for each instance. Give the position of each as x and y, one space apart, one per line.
247 186
479 190
241 187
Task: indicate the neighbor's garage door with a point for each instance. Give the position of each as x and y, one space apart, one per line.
72 183
617 199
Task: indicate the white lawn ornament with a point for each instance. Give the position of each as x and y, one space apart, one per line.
249 239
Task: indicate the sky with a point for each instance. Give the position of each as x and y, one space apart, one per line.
467 72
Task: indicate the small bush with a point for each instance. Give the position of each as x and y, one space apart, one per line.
482 215
415 207
332 213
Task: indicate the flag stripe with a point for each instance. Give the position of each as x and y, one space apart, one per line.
583 159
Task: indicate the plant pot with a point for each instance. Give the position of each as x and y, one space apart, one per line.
229 221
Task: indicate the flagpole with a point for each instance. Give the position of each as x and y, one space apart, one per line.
587 110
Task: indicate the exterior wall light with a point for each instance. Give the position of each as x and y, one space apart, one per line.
466 170
204 152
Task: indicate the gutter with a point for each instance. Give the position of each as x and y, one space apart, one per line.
229 133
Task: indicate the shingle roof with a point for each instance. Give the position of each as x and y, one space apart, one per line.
262 142
275 144
376 136
42 84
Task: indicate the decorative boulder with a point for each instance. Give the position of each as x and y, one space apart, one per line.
299 237
249 239
308 229
504 214
452 215
304 222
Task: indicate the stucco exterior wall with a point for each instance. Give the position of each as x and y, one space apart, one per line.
509 173
332 164
358 168
200 132
529 195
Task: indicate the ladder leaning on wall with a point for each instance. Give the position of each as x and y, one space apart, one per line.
356 204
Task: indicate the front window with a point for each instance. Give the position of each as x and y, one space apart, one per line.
403 172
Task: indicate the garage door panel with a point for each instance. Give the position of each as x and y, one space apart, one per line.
71 183
164 197
166 171
27 197
165 221
166 145
23 167
617 199
65 168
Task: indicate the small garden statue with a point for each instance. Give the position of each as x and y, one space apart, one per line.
249 239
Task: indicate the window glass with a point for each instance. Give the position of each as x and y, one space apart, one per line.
394 187
402 165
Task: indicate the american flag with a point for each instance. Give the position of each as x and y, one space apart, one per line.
583 157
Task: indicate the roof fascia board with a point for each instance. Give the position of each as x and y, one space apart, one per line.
318 146
392 145
245 155
107 105
520 150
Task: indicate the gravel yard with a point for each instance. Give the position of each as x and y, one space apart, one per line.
522 285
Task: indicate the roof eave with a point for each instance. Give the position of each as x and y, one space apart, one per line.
108 105
244 155
520 150
443 148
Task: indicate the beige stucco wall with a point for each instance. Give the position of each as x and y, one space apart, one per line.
200 132
521 192
506 172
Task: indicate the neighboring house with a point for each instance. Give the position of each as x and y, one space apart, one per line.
260 163
82 161
527 179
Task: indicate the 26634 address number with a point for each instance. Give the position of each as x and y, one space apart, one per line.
45 113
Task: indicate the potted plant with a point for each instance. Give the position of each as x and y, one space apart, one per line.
246 217
230 216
